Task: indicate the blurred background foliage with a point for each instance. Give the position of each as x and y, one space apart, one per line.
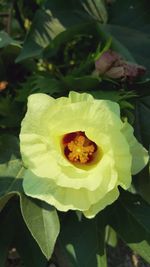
51 47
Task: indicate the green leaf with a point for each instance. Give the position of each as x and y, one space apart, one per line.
4 200
136 42
81 243
55 18
133 27
68 35
130 219
129 23
142 131
106 32
42 31
132 13
81 83
28 249
15 230
47 84
11 175
142 128
6 234
117 96
39 83
10 112
11 169
43 223
6 40
77 10
111 237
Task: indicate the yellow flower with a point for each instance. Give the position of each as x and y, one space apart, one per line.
78 152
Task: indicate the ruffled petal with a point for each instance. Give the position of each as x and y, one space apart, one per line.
77 97
38 104
65 198
108 199
44 161
52 177
139 153
116 146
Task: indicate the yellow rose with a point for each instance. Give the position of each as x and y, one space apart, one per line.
78 151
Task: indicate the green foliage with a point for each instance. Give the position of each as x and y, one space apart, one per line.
14 232
142 180
51 47
6 40
82 242
142 117
43 217
111 237
55 17
131 27
136 229
135 15
9 110
35 214
39 83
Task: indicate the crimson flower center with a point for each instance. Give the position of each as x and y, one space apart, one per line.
78 148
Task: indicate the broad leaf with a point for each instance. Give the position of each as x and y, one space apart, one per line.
11 169
106 32
137 42
6 40
86 29
130 24
81 83
11 175
71 12
14 233
130 219
142 130
130 13
43 222
6 234
27 247
81 243
40 34
55 18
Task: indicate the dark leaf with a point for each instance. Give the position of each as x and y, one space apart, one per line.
57 17
130 219
130 13
142 131
35 215
81 243
6 233
43 223
81 83
6 40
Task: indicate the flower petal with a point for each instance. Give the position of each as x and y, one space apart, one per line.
77 97
56 180
139 153
108 199
64 198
